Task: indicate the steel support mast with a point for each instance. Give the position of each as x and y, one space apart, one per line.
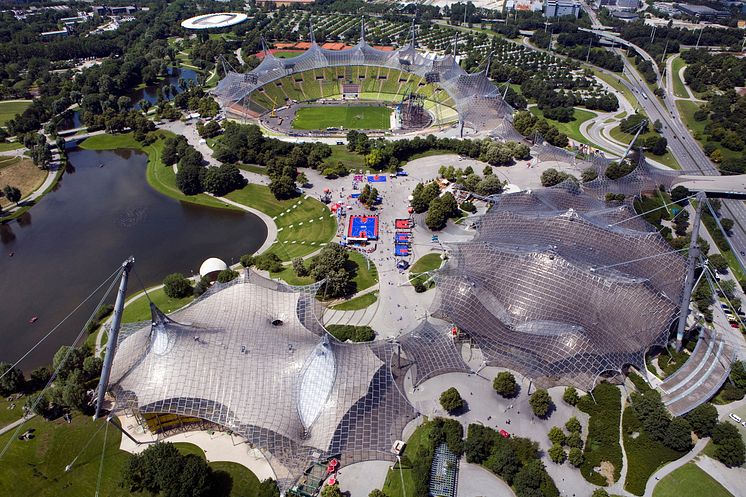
111 344
691 263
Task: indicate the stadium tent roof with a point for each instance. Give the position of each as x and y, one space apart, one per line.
214 20
252 356
478 101
212 265
548 287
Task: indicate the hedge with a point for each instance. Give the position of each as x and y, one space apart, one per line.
644 455
344 332
602 443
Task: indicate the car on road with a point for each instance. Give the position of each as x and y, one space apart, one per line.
504 434
736 418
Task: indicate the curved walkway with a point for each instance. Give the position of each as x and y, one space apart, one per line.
218 446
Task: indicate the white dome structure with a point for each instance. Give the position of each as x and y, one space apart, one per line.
211 267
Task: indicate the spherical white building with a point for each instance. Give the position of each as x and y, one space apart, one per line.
214 21
211 267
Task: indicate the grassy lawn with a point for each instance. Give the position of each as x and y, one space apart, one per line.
428 262
288 276
37 467
357 303
6 146
343 116
241 480
679 89
21 173
139 310
187 448
9 109
666 159
349 159
364 276
392 487
689 481
644 455
8 415
572 128
304 224
160 177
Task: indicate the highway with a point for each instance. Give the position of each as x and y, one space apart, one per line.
683 146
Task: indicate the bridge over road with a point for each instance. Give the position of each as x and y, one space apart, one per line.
718 185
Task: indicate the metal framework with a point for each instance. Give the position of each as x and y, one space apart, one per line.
556 287
252 356
478 101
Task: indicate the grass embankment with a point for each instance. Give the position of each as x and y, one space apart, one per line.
363 277
687 108
37 466
393 486
139 309
357 303
428 262
644 455
351 160
602 445
304 224
9 109
343 116
21 173
615 82
572 128
7 146
234 480
679 89
689 481
666 159
8 415
161 177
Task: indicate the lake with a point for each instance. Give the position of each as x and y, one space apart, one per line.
149 93
80 233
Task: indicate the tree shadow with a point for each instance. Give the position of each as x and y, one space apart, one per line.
222 484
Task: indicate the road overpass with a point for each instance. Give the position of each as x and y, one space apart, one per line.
716 185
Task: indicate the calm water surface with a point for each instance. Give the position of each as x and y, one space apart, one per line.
79 234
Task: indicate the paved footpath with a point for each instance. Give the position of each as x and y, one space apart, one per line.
15 424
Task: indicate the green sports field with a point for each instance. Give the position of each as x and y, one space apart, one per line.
343 116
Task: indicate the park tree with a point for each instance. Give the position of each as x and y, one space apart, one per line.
729 446
283 187
504 462
74 391
557 454
678 435
573 425
12 193
227 275
224 179
377 493
679 193
575 456
422 195
67 360
451 400
247 260
552 177
189 179
441 210
556 435
571 396
588 174
269 261
11 379
574 440
162 469
302 179
177 286
300 267
505 384
489 185
39 377
92 367
331 491
540 402
718 262
600 492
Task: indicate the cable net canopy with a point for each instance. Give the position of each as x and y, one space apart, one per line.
552 288
251 356
477 100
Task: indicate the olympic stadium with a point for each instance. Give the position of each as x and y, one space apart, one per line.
214 21
425 91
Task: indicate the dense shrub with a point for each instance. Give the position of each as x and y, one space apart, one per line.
227 275
451 400
602 443
177 286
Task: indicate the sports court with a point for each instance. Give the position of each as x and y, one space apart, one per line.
362 228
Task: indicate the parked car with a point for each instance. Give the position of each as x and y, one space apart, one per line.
736 418
505 434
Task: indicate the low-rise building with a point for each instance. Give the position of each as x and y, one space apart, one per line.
561 8
701 11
